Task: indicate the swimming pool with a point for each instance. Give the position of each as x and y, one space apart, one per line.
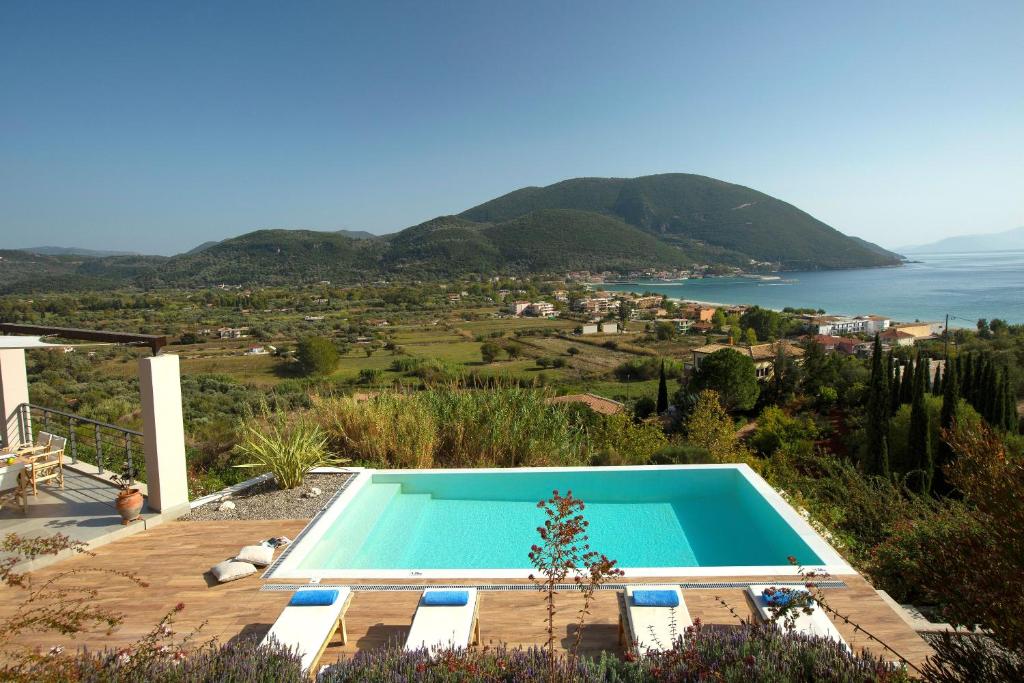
686 520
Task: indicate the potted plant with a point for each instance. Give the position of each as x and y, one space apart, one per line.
129 500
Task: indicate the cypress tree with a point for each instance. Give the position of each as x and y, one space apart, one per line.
883 457
662 391
966 366
978 381
950 402
998 402
1009 405
877 426
893 381
937 384
994 399
907 384
919 436
926 376
987 391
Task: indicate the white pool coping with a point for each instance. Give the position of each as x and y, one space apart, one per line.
287 566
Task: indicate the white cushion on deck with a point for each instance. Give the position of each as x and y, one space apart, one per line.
229 570
259 555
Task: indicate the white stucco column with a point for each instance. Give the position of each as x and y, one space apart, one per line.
13 393
163 434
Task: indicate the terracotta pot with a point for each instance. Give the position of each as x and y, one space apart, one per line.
129 505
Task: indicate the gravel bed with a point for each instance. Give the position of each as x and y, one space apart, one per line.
266 501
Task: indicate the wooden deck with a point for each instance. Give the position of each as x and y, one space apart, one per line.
174 556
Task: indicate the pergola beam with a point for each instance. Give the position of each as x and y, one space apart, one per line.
153 341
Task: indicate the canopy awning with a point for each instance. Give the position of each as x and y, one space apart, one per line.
154 341
11 342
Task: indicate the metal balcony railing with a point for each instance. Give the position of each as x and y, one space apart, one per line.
107 446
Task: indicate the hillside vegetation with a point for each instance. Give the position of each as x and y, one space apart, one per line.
618 224
679 205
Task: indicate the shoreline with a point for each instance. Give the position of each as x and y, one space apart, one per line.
719 304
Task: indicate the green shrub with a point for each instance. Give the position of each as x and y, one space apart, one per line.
737 655
860 510
369 375
284 445
619 440
776 429
915 546
682 454
406 363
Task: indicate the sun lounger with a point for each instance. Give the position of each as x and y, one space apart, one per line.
654 619
441 622
309 628
816 623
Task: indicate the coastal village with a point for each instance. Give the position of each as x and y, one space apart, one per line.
603 312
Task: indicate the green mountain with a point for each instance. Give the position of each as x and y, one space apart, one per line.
617 224
23 272
357 234
679 206
541 241
272 257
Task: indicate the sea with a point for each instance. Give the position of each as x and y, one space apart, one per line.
965 286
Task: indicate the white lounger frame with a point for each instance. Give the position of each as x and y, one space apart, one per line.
816 623
650 628
440 627
310 629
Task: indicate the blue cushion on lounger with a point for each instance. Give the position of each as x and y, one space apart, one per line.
656 598
319 597
779 598
446 598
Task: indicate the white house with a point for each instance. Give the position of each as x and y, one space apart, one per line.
518 307
541 309
590 329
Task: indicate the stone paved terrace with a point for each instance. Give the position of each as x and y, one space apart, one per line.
83 510
173 557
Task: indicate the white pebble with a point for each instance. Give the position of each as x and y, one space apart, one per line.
225 506
313 492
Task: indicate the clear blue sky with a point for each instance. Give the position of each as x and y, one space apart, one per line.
155 126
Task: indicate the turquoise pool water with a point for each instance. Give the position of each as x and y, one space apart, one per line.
642 518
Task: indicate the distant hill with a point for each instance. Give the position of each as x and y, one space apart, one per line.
25 272
202 247
357 234
1009 240
75 251
273 257
683 206
616 224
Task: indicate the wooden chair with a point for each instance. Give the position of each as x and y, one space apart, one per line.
42 443
47 465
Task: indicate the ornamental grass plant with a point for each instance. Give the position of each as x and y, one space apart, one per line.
286 445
